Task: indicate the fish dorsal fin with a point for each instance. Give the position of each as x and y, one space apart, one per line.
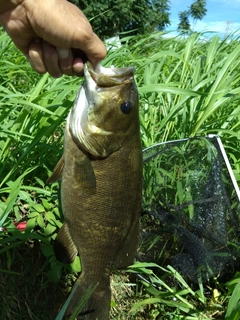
57 172
64 247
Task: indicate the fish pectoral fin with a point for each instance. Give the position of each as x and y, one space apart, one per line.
57 172
64 247
84 173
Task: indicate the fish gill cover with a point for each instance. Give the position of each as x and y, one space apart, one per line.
190 216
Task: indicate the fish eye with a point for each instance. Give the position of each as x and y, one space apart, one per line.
126 107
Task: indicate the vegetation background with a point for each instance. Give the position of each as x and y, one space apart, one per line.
112 18
188 87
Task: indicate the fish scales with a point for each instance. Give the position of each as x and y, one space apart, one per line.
114 195
101 186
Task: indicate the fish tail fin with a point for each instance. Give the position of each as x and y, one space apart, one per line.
64 247
95 300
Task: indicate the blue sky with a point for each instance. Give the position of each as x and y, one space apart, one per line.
223 16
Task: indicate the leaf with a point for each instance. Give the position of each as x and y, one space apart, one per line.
33 214
47 250
49 230
31 224
233 309
174 89
11 200
137 305
38 207
10 272
76 265
83 301
40 221
80 305
55 273
50 217
47 205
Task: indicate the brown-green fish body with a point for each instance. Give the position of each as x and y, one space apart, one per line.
101 174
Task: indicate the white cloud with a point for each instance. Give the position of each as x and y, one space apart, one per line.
217 26
220 27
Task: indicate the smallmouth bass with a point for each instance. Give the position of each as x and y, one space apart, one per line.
101 173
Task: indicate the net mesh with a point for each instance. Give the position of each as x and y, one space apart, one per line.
190 215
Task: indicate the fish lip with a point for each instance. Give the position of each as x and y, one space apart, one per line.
107 77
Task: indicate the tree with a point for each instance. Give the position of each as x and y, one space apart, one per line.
197 11
111 17
184 24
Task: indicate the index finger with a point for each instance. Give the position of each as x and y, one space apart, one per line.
91 49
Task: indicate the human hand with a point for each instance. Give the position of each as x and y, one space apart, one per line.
54 35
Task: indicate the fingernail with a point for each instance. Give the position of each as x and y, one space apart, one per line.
57 76
64 53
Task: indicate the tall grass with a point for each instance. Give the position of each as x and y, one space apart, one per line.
187 87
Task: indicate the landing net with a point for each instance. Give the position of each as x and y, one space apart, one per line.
191 211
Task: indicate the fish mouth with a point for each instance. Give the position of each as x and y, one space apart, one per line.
108 77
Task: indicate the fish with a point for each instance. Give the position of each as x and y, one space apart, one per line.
101 184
